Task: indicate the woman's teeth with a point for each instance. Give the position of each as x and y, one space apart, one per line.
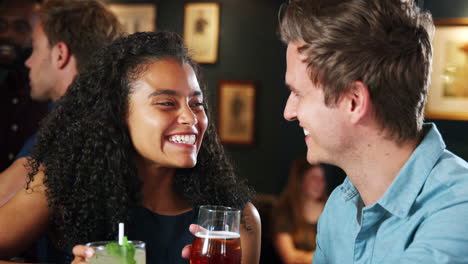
184 139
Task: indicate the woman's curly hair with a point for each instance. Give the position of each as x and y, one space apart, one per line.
85 151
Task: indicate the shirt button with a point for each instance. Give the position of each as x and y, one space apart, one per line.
11 156
14 127
14 100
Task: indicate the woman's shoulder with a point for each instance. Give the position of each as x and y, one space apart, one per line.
250 217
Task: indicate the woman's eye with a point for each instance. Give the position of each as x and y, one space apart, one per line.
198 104
165 103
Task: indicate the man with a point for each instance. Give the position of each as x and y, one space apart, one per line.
64 39
19 114
358 71
68 32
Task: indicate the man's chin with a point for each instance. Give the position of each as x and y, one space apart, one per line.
39 98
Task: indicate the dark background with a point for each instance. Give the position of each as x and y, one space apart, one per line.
249 49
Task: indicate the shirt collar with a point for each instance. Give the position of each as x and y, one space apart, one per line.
402 193
348 189
404 189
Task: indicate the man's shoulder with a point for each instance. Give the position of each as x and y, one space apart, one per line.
447 182
450 170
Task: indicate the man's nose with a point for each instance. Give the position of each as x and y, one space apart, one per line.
290 108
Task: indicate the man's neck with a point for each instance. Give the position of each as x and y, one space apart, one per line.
66 76
375 164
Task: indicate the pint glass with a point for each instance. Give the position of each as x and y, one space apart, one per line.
217 240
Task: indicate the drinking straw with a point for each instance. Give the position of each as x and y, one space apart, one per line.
121 233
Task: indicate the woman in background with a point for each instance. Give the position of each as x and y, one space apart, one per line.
298 211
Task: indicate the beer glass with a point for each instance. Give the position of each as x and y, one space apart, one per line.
217 240
110 252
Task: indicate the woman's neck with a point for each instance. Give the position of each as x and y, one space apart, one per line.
159 192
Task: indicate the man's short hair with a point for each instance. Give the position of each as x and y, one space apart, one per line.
84 25
386 44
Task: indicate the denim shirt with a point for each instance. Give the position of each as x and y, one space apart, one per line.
421 218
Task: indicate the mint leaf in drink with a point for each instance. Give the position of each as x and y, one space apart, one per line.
125 252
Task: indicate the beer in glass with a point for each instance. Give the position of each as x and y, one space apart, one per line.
217 240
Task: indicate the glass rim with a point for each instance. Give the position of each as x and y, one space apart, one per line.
218 208
98 244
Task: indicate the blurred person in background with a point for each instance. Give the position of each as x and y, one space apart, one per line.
19 114
65 37
297 213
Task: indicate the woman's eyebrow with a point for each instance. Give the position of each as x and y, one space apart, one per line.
172 92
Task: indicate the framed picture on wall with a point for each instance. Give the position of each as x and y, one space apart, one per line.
236 112
135 17
448 94
201 31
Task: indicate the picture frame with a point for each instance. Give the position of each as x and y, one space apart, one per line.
135 17
236 112
201 30
448 93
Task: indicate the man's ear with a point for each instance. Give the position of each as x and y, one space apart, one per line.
358 101
61 54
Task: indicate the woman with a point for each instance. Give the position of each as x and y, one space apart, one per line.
125 145
297 212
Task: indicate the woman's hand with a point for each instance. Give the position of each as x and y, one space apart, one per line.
188 248
81 253
250 236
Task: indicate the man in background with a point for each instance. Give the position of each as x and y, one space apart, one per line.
358 71
64 39
19 114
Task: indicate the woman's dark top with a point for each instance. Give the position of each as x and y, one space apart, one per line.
165 236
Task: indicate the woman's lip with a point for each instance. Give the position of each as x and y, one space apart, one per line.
183 144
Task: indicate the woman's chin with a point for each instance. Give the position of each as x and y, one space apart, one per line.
188 164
